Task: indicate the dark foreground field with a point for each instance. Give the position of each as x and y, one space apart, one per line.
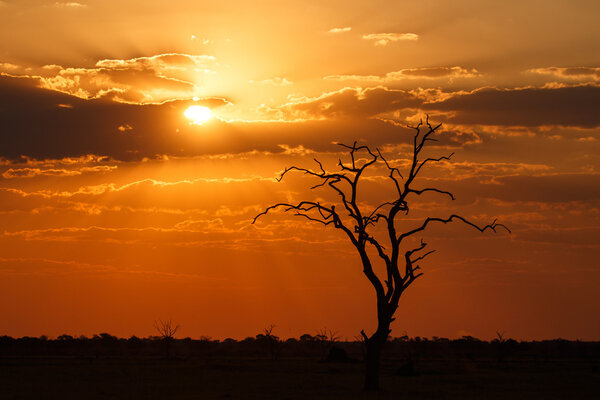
311 367
295 378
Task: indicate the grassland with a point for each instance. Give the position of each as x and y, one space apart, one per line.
294 378
105 367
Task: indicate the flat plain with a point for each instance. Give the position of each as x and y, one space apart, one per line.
114 377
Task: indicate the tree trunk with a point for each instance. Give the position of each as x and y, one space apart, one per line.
167 344
374 346
372 364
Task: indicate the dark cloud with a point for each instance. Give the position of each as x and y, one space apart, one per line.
565 106
41 123
549 188
15 173
353 102
578 73
580 236
574 106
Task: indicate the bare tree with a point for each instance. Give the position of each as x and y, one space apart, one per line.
326 339
359 224
166 332
271 340
500 343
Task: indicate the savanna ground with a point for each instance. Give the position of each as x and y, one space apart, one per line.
113 377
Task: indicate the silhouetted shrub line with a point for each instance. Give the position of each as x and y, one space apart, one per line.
405 351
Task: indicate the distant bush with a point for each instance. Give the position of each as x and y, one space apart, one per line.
270 346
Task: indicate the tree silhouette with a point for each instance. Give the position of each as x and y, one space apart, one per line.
271 340
359 223
166 332
326 338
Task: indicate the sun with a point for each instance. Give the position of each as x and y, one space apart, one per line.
198 114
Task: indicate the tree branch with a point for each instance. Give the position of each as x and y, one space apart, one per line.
392 170
491 226
421 191
434 160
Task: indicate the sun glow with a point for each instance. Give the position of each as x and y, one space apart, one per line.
198 114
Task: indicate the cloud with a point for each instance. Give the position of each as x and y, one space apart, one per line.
570 73
69 5
546 106
41 266
350 102
411 73
159 129
544 188
8 67
85 160
106 203
571 106
382 39
167 61
35 266
276 81
434 72
137 80
38 127
340 30
358 78
467 169
577 236
13 173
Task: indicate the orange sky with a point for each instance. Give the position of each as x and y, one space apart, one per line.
116 210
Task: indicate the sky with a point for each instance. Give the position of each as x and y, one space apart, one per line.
117 210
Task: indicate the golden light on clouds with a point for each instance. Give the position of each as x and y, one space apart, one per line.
198 114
